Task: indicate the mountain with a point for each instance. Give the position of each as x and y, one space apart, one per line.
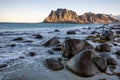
118 17
69 16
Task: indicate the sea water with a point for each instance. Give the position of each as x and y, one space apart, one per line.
40 26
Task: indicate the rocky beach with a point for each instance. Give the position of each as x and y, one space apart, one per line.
76 53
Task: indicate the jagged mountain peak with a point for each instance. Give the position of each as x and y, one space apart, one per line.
69 16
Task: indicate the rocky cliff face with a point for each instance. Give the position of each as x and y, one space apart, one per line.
69 16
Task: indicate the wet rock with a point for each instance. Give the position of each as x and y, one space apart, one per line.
52 42
18 39
56 30
103 79
118 32
71 32
21 57
100 40
108 35
111 61
58 45
70 47
78 30
93 32
103 48
12 45
31 54
3 65
82 64
118 52
84 28
89 28
54 64
28 41
115 44
38 36
101 63
67 37
112 66
92 37
50 52
56 49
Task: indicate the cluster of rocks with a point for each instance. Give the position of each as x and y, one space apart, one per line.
82 58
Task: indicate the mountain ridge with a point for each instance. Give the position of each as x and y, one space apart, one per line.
69 16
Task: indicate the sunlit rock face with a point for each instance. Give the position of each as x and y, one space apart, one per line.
69 16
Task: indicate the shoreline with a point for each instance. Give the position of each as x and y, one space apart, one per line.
22 66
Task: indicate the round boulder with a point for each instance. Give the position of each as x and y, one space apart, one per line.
54 63
103 48
82 64
51 42
70 47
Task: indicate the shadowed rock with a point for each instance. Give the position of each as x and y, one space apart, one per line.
103 48
71 32
51 42
118 52
56 30
118 32
31 54
70 47
3 65
82 64
50 52
111 61
108 35
12 45
18 39
54 63
38 36
101 63
56 49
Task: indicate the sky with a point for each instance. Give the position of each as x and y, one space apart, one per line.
37 10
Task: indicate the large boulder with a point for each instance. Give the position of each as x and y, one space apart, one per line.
82 64
51 42
70 47
54 64
108 35
103 48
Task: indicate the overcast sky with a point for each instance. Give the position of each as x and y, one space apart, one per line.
37 10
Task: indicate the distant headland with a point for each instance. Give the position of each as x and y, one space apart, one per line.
69 16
